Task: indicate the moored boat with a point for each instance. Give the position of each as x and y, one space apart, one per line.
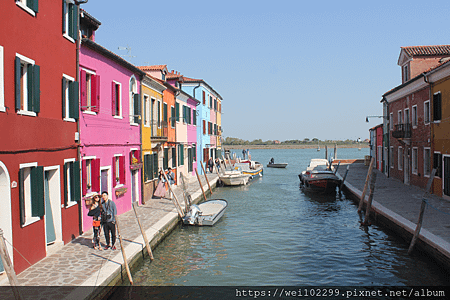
234 178
206 213
249 167
318 178
278 165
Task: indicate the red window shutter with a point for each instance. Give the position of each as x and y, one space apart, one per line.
96 175
204 127
84 179
204 98
95 81
137 154
113 100
122 169
83 91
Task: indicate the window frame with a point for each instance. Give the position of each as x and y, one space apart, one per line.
439 170
399 117
426 107
89 108
414 119
147 110
439 94
426 173
117 99
415 160
400 158
2 81
27 197
391 121
391 157
23 4
70 183
67 98
25 86
70 29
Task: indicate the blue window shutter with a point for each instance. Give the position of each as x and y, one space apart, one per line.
36 89
64 82
22 196
76 182
74 100
37 192
17 76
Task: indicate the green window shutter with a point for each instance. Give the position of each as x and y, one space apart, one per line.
36 89
30 84
73 21
64 82
166 158
34 5
194 117
64 7
17 76
155 165
37 192
177 111
194 153
173 117
137 107
181 155
22 196
75 181
66 192
174 157
74 100
146 167
165 113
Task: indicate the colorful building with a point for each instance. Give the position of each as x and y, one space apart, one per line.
39 166
110 133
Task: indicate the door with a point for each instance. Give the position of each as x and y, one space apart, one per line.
446 175
5 211
406 166
134 189
104 181
49 224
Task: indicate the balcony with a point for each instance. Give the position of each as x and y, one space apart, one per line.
402 131
159 131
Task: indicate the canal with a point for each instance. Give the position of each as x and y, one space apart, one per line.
274 234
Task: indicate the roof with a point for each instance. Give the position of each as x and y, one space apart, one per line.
88 17
105 52
427 50
153 68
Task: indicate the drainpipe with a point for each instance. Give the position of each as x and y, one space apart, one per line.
427 80
195 89
77 78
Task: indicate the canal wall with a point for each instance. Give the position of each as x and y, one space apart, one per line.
398 212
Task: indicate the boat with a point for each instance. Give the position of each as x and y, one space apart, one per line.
206 213
250 167
318 177
278 165
236 177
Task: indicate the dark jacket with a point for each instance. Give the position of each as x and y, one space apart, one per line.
95 213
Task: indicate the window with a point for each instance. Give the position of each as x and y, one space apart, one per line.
150 166
415 160
190 160
177 111
31 6
119 169
209 128
405 73
91 175
135 157
71 182
204 127
180 155
31 193
90 91
69 99
210 101
414 115
194 117
135 105
173 117
215 104
186 114
399 117
391 121
204 98
426 161
147 111
406 117
165 117
116 99
437 107
400 158
174 157
437 164
2 83
70 21
166 159
426 112
27 86
391 157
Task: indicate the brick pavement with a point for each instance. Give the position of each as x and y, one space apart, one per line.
78 264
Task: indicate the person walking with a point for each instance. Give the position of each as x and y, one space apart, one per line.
171 178
109 220
95 212
210 165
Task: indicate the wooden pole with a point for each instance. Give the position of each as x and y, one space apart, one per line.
326 152
200 182
343 179
337 167
144 235
363 196
9 269
175 199
373 179
422 211
125 261
335 151
207 181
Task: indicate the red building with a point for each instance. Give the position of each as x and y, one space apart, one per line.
39 168
408 110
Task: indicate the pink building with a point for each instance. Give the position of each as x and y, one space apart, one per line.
109 127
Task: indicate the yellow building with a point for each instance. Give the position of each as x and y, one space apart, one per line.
439 116
152 133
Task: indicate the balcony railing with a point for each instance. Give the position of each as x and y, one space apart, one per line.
402 131
159 130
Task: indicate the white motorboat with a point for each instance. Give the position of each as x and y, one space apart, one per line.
234 178
206 213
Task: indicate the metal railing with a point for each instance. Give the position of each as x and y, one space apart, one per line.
159 130
402 131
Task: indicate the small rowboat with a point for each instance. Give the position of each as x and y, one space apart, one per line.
280 165
206 213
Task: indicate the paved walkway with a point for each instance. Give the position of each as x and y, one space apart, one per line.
78 264
405 200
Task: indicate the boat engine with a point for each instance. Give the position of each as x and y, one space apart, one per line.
193 214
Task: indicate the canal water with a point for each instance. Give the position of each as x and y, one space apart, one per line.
274 234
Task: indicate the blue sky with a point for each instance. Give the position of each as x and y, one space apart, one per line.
285 69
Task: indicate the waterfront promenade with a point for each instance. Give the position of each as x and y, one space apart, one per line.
396 206
77 264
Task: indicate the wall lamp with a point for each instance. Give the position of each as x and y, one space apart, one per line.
385 117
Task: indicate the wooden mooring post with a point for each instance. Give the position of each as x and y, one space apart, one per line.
366 184
422 211
144 235
207 181
326 152
373 179
335 151
175 199
200 182
9 269
125 261
343 179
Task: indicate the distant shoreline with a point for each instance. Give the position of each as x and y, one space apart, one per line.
331 146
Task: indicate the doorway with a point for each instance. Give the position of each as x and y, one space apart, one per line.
446 176
105 180
406 166
52 193
134 186
5 212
